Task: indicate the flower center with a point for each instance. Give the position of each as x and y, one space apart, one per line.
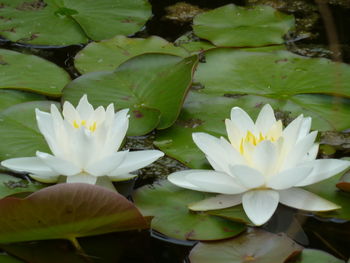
91 127
251 140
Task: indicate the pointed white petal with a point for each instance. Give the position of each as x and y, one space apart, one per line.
110 115
107 164
217 202
291 132
136 160
58 165
260 205
304 128
305 200
69 113
45 178
247 176
266 119
29 165
323 169
121 177
84 108
83 147
242 120
214 182
179 179
264 157
312 153
44 121
234 134
289 178
82 178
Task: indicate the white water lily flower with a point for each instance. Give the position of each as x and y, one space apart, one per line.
261 165
84 145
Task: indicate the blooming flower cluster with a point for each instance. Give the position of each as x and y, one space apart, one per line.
261 165
84 145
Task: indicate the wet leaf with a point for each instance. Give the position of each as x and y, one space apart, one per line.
237 26
313 255
11 97
255 246
108 54
168 204
31 77
10 185
67 211
74 21
19 134
152 86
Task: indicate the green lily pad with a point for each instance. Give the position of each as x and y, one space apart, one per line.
152 86
207 113
9 259
237 26
25 72
10 185
255 246
328 190
168 203
313 255
64 211
19 134
109 54
11 97
278 74
74 21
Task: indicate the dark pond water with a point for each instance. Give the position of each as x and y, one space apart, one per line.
322 31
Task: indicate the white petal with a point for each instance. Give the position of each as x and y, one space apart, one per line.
215 182
106 164
217 202
234 134
265 157
291 132
247 176
98 116
58 165
136 160
70 114
299 151
179 179
323 169
305 200
29 165
289 178
83 147
312 153
82 178
45 178
304 128
266 119
121 177
84 108
242 120
260 205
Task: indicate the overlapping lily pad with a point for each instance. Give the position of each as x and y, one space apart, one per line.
168 204
30 73
67 211
314 255
152 86
255 246
109 54
11 97
237 26
19 135
74 21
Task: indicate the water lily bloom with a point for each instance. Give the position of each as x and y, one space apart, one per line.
84 145
261 165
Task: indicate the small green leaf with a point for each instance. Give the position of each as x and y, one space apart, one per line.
168 203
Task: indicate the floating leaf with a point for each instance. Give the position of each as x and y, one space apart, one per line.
11 97
9 259
168 204
26 72
344 182
109 54
255 246
152 86
232 25
19 135
313 255
10 185
67 211
74 21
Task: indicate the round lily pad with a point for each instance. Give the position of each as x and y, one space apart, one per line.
11 97
108 54
237 26
19 134
168 204
255 246
313 255
74 21
31 73
152 86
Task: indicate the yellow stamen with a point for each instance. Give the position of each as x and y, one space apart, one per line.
83 123
93 127
75 124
